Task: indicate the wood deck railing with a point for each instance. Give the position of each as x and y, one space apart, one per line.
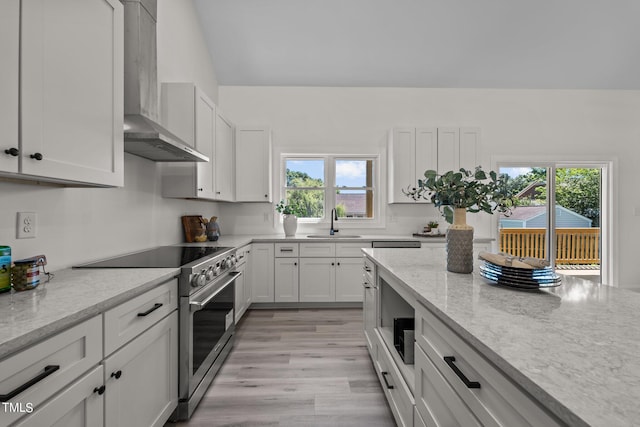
574 245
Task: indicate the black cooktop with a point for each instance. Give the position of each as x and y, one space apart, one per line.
160 257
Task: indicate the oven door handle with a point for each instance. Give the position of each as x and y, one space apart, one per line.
199 305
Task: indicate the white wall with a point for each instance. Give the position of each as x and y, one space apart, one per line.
515 123
82 224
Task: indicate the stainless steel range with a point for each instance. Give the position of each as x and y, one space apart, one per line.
206 311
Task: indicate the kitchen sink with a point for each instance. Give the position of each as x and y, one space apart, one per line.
335 236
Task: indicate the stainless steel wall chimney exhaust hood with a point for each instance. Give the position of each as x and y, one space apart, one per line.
143 135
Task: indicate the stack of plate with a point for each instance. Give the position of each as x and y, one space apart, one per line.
521 278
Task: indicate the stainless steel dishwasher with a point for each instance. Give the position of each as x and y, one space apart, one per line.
395 244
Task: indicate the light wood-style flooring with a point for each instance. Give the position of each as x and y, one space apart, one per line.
306 367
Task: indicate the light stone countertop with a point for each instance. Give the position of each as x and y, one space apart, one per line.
575 348
241 240
69 298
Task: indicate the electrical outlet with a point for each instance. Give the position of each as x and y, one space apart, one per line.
27 225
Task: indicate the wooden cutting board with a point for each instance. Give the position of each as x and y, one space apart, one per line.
193 226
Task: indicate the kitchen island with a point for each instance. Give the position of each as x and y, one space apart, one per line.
573 350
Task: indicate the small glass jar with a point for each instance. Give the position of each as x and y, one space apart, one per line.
5 268
25 275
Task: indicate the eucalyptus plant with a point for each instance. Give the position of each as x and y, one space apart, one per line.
285 209
474 191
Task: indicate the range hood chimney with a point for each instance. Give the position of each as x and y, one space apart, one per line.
143 136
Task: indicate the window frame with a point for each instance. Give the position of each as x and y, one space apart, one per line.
330 186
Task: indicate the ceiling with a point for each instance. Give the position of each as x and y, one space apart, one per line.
532 44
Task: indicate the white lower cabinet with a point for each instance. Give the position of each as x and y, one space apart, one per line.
79 405
141 378
317 279
495 402
450 384
71 379
395 388
349 279
286 279
48 367
262 277
243 282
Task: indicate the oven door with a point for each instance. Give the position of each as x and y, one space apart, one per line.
211 326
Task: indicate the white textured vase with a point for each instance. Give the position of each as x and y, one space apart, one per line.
290 223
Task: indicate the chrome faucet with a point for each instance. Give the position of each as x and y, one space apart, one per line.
334 215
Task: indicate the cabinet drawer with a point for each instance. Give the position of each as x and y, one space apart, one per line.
286 250
79 405
317 249
130 319
498 402
58 361
436 401
351 249
395 388
369 271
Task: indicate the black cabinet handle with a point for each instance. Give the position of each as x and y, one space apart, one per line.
338 263
12 151
48 370
333 263
266 195
152 309
470 384
295 263
116 374
37 156
200 189
99 390
384 377
367 269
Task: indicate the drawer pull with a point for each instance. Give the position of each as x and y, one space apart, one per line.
48 370
470 384
286 249
152 309
116 374
384 377
99 390
367 269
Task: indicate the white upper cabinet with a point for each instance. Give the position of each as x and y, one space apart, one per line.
224 159
72 90
457 148
9 84
411 152
253 164
190 114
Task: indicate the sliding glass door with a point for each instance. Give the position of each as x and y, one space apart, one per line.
558 216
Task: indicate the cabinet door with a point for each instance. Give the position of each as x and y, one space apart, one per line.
369 308
224 160
349 279
247 277
253 164
240 284
448 149
141 379
317 279
9 52
402 163
77 406
72 90
262 272
469 146
286 284
205 133
426 152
